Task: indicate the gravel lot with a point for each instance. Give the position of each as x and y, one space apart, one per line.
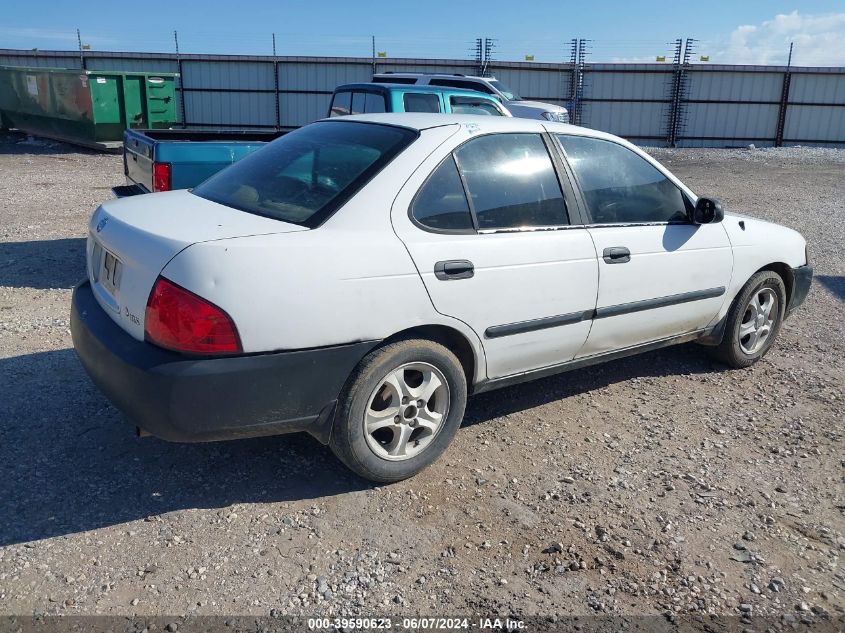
660 483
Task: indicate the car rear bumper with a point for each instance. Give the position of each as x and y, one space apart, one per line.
189 399
802 279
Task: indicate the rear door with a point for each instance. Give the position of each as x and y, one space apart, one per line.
494 234
660 275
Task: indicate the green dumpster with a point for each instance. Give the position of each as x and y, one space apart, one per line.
85 107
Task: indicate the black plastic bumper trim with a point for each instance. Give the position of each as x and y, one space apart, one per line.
189 399
659 302
522 327
802 279
125 191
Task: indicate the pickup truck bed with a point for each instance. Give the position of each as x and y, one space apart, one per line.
161 160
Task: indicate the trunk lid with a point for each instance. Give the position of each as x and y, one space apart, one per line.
132 239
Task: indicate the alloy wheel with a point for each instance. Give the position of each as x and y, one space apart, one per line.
406 411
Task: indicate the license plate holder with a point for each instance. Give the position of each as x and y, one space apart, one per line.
108 269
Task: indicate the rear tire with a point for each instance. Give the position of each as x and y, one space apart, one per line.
753 321
400 410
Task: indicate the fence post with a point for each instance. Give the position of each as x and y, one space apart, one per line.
276 84
675 96
784 100
181 80
374 54
82 61
573 82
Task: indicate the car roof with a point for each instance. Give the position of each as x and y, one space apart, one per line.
425 120
379 87
441 75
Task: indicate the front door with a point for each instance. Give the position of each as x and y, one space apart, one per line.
660 275
489 230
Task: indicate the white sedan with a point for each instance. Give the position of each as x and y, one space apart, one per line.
360 277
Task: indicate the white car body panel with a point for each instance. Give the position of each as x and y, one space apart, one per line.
367 272
757 245
497 294
146 236
666 259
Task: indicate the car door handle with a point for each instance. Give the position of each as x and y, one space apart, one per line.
454 269
616 255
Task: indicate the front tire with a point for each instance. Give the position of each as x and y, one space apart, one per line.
400 409
753 321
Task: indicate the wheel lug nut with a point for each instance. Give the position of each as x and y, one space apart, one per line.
405 400
397 419
420 403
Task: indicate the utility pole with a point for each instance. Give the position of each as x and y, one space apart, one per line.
489 44
479 56
374 53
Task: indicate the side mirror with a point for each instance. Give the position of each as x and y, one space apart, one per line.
707 211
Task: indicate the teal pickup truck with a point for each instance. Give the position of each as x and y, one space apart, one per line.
161 160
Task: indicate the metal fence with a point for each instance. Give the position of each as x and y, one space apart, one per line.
674 104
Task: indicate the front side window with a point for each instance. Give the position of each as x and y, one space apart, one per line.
621 187
509 94
441 203
341 104
473 105
511 182
421 102
463 84
304 176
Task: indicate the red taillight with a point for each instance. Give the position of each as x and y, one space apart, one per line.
161 176
179 320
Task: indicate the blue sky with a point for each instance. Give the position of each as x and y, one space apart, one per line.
739 31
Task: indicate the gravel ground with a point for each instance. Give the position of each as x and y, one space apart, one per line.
661 483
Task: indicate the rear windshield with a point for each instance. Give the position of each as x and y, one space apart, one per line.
303 177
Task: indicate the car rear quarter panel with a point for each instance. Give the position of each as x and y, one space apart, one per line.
349 280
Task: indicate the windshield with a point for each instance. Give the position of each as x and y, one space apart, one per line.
304 176
510 95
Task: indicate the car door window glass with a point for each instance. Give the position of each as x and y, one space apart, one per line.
621 187
511 182
358 100
421 102
441 203
373 103
462 83
341 104
472 105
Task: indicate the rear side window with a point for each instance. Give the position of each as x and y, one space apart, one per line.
304 176
421 102
620 186
373 103
341 104
358 101
441 203
471 105
511 182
